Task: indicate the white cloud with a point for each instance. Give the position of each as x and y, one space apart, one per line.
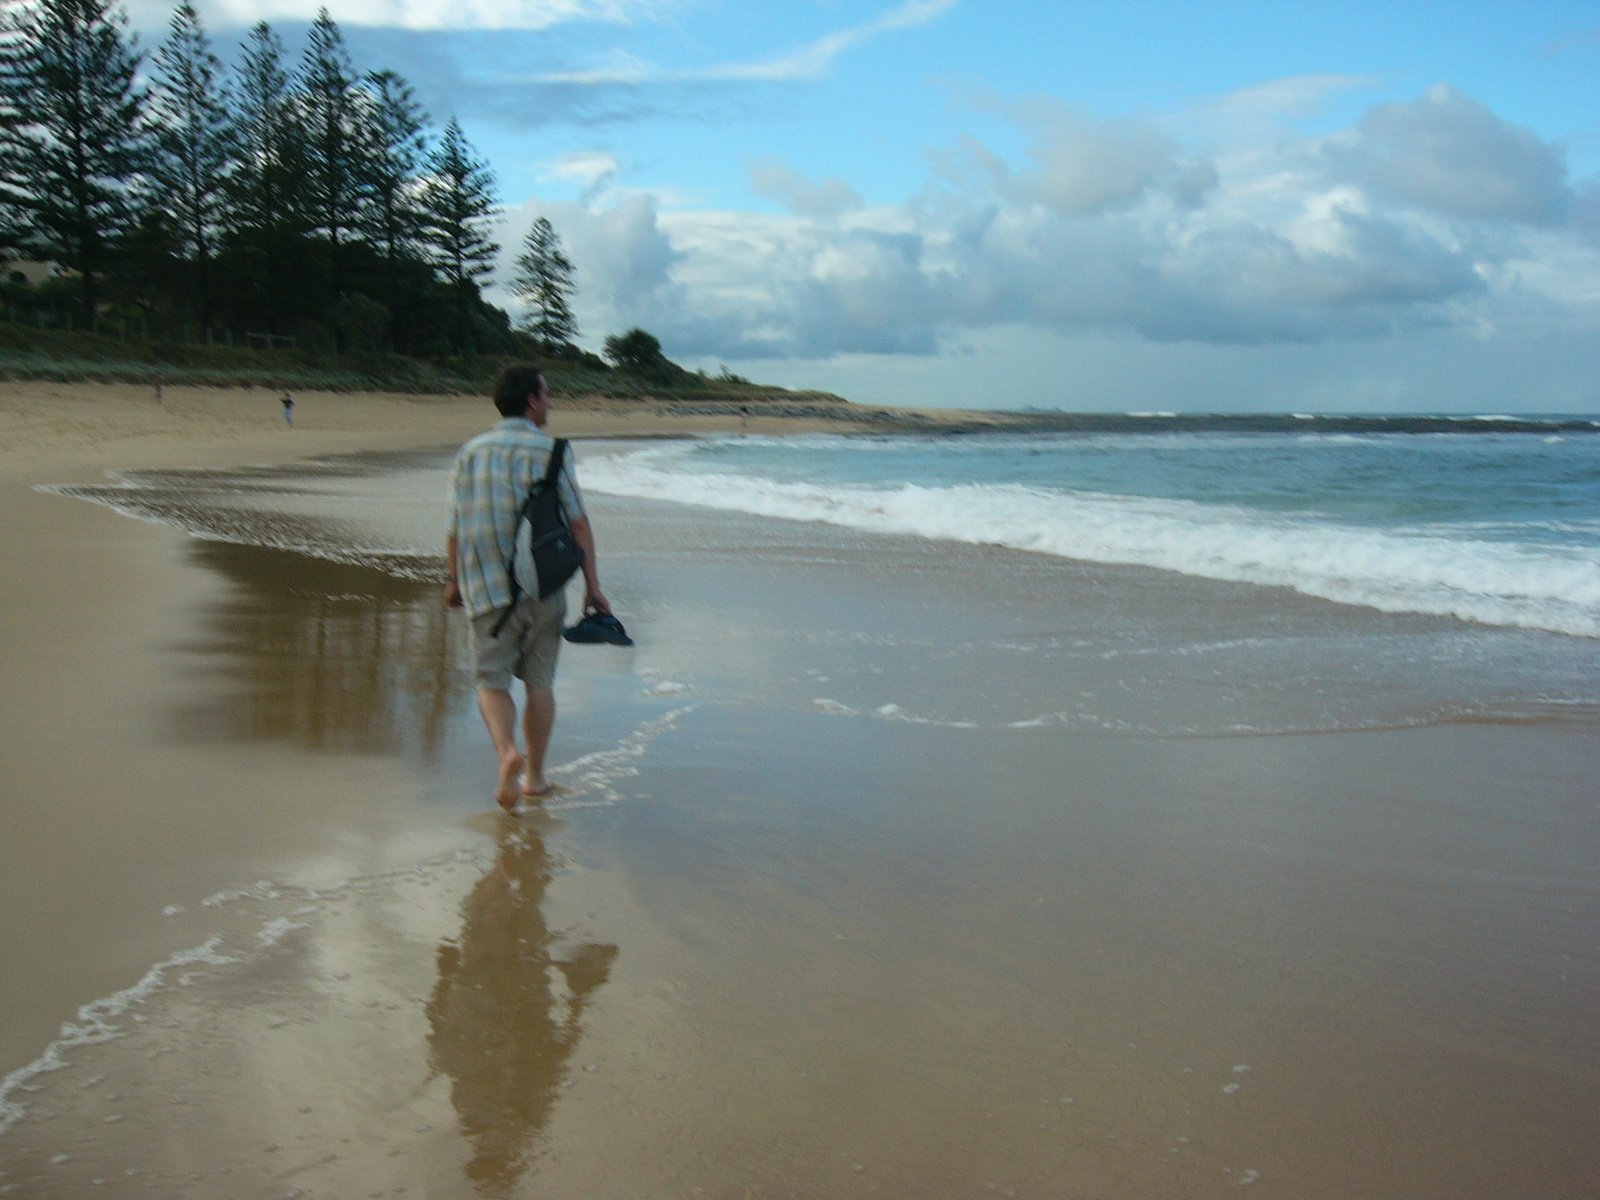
1081 165
821 200
623 251
1098 228
1447 152
592 170
1586 210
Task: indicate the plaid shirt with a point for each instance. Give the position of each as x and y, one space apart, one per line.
493 473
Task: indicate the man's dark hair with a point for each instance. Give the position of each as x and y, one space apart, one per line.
513 385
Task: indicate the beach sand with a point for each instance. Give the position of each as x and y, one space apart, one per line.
92 606
839 901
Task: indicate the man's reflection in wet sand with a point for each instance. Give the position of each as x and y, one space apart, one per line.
507 1012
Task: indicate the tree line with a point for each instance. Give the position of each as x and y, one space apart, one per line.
292 201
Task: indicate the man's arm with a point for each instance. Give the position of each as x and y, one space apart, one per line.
452 590
593 598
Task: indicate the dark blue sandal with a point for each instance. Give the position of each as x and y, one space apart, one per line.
598 627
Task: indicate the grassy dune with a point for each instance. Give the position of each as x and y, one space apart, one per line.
70 357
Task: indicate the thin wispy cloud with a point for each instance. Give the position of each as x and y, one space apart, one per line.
810 61
1291 97
618 69
442 15
814 60
585 167
1265 111
595 171
1589 39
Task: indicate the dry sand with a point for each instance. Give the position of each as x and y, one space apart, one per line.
771 944
48 428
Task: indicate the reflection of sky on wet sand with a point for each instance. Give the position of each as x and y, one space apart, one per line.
411 1031
326 655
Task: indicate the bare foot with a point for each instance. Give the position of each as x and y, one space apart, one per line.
538 789
505 793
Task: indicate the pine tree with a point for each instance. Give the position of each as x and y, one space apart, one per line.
460 210
195 147
544 282
335 149
265 192
76 146
13 212
265 184
396 149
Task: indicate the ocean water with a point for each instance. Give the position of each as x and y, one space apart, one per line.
1497 529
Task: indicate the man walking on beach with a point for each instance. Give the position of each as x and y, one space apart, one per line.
493 473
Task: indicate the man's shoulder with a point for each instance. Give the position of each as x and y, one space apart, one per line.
507 433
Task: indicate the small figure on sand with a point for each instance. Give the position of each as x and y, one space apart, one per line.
158 389
288 410
493 473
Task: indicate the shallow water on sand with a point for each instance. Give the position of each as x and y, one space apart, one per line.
886 868
1159 652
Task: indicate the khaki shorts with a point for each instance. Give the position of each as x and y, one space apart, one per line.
527 647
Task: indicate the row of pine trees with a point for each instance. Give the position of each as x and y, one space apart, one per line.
291 201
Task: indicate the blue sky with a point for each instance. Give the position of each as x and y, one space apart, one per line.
1218 207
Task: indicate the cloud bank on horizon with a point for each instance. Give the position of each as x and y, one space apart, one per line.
888 199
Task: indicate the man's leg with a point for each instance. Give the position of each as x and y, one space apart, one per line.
538 719
499 713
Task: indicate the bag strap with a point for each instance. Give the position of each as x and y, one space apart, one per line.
551 471
553 468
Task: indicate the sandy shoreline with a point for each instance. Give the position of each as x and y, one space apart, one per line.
88 636
47 428
786 938
91 606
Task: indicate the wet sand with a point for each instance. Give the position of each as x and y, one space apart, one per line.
108 818
825 912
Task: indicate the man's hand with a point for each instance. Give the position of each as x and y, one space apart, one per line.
594 600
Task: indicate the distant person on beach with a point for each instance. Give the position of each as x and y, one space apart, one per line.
288 410
493 473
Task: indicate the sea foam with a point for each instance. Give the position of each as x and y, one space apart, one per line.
96 1022
1551 588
